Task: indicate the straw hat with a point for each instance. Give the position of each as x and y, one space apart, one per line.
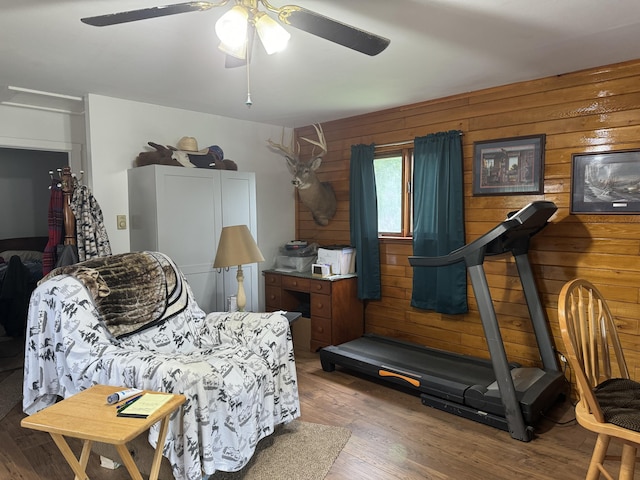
190 145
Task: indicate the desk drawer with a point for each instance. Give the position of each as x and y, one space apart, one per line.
273 297
271 279
320 305
320 286
295 283
321 330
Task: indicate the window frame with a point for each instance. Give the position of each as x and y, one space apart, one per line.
406 221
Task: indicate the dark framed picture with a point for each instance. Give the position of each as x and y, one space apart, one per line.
606 182
509 166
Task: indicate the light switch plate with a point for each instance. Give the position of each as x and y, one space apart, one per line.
121 221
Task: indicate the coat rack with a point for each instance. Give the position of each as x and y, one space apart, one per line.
67 183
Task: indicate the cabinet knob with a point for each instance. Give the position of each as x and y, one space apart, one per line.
318 287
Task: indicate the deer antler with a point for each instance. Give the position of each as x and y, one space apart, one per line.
289 151
322 143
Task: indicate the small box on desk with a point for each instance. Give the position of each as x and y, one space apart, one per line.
320 270
341 258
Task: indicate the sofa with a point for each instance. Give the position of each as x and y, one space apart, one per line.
131 320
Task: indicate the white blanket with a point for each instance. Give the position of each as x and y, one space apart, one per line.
237 371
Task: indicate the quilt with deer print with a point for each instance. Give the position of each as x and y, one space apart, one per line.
237 371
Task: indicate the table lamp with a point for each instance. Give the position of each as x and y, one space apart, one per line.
237 247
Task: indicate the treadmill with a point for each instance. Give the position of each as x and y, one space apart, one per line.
494 392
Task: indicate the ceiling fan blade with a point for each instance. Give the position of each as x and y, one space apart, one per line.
145 13
332 30
233 62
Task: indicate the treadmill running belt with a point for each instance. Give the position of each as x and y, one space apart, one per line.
419 361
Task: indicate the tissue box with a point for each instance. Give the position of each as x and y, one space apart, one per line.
342 259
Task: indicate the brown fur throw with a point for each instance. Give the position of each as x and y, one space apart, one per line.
131 291
170 156
161 156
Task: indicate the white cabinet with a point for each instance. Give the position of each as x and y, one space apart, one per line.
180 211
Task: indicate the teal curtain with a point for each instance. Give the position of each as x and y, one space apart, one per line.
438 222
363 210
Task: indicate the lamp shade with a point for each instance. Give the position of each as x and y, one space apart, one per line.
236 247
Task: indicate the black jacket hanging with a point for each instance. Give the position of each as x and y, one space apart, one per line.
14 298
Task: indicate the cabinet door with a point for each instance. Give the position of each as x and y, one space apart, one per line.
188 224
181 211
238 192
176 211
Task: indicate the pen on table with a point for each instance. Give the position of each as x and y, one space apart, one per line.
128 402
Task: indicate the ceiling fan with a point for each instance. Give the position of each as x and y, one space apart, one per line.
271 33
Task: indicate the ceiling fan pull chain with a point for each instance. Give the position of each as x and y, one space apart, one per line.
249 53
248 103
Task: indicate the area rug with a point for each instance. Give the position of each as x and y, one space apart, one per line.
296 451
11 388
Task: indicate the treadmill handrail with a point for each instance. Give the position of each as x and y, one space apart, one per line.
473 252
461 253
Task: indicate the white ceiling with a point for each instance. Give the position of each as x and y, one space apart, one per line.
438 48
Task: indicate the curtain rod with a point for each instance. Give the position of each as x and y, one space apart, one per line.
396 144
399 144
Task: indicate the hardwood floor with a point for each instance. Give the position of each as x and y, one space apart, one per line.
394 437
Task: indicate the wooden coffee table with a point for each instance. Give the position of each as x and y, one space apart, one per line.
87 416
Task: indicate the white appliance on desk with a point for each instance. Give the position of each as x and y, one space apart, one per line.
340 258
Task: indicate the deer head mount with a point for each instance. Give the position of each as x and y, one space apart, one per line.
319 197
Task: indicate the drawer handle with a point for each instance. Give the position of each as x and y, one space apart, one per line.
318 287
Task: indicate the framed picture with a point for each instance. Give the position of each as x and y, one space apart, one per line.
606 182
510 166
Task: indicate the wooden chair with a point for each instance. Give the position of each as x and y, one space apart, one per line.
593 350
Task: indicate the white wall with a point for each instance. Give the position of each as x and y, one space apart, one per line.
117 130
43 130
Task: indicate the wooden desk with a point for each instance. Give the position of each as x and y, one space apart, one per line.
87 416
336 313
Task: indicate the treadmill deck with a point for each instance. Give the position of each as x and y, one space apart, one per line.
442 376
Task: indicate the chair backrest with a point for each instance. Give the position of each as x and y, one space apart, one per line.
591 340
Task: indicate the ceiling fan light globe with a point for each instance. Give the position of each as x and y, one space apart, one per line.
237 51
231 29
273 36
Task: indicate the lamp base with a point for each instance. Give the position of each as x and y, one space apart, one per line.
242 297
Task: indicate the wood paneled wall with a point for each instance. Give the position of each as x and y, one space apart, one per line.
587 111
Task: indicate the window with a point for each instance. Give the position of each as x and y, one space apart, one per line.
393 172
